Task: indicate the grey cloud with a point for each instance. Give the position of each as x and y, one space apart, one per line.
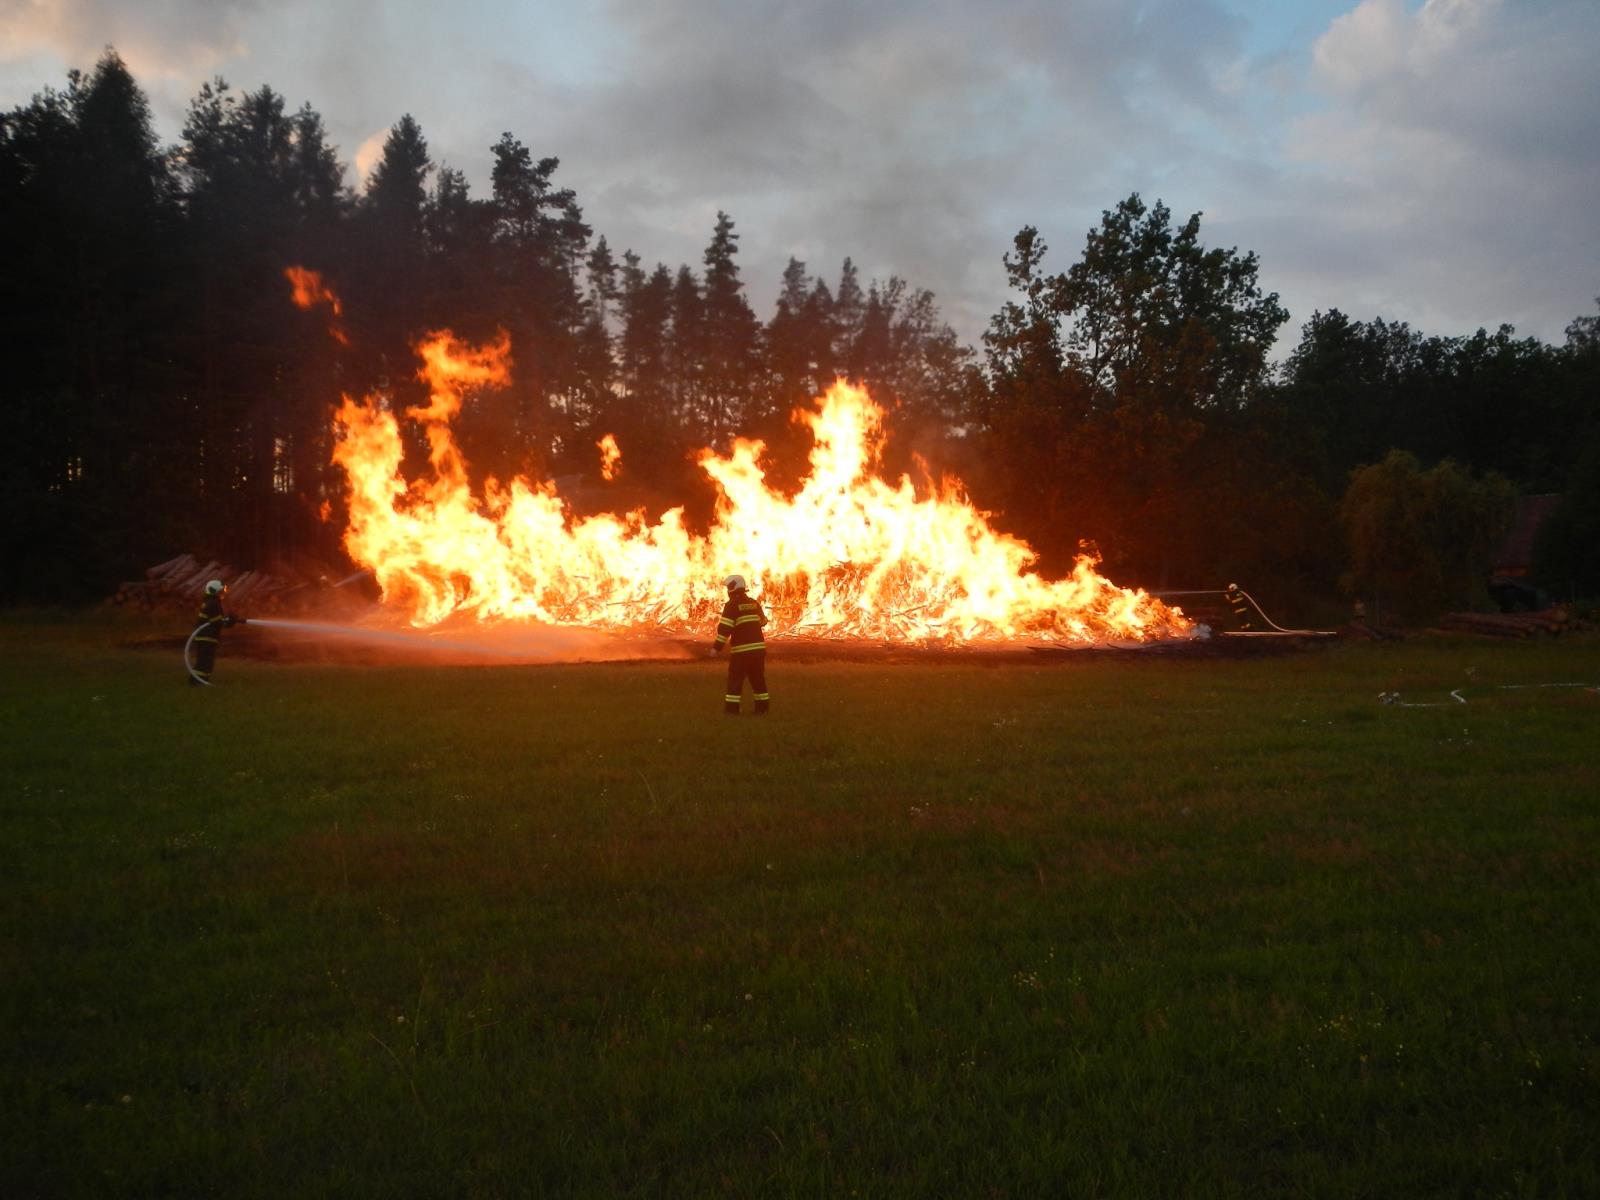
158 36
917 136
1453 188
907 135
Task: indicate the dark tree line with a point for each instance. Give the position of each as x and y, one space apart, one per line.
1131 400
164 395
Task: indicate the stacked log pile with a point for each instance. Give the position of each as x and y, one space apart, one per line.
180 582
1513 625
176 580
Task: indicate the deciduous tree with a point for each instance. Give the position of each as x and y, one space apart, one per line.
1421 541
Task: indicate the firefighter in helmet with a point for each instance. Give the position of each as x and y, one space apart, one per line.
210 621
740 630
1241 606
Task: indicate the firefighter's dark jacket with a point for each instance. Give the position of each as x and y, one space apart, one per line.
210 621
741 623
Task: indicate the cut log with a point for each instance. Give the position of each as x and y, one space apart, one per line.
1479 618
160 569
1485 623
193 584
187 565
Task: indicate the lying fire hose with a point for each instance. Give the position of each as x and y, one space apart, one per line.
188 663
1276 630
1393 698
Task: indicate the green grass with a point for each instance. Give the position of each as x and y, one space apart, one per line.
1090 927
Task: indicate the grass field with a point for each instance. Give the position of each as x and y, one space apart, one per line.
1097 927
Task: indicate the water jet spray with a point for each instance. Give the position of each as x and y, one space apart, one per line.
504 644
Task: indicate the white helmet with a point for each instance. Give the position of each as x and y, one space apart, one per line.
214 588
734 583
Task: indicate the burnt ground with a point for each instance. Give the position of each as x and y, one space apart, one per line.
286 646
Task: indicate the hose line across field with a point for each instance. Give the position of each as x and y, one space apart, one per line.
1393 698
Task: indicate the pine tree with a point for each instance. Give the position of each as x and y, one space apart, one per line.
595 361
730 335
540 239
316 174
849 305
685 372
397 191
88 227
792 349
643 419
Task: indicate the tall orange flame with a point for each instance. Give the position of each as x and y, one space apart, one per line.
309 291
848 555
610 457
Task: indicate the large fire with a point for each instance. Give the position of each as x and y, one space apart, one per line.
847 555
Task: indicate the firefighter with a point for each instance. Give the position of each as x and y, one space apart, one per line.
210 621
1240 605
740 625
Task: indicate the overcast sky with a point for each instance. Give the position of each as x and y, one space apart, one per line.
1436 162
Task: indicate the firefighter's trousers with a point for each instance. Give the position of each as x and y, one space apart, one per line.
743 665
205 655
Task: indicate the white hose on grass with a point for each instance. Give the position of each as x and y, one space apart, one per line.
188 664
1393 698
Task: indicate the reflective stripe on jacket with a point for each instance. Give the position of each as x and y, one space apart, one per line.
741 624
210 614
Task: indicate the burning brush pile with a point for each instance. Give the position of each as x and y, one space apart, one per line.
847 555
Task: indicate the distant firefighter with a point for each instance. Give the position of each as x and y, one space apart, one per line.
741 624
1241 607
210 621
